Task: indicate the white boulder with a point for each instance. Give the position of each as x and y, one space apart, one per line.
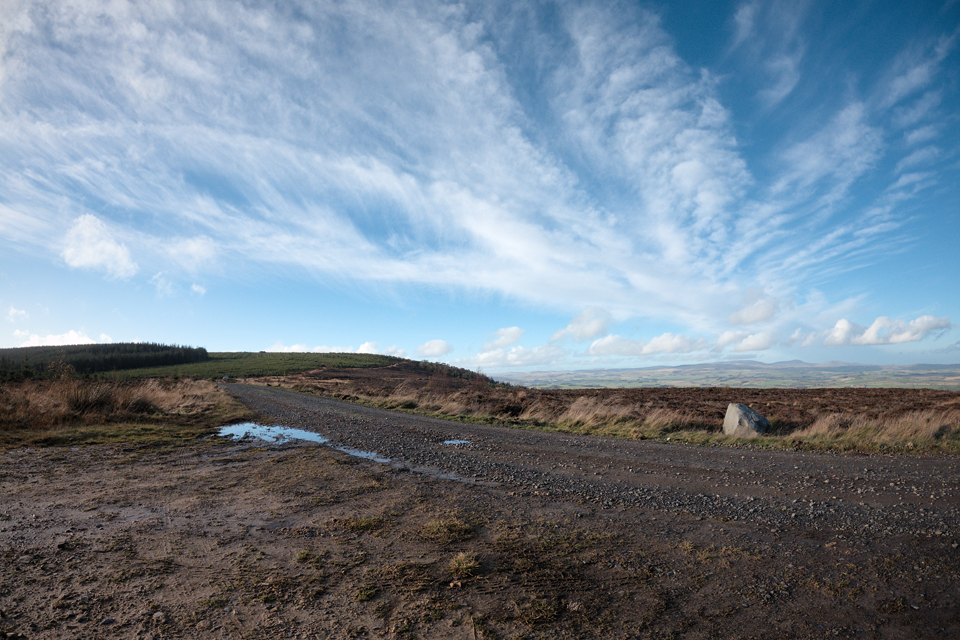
743 422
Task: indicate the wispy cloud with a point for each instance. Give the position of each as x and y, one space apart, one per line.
586 325
504 338
91 245
769 37
16 315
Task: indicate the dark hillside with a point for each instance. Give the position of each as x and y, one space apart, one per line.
44 362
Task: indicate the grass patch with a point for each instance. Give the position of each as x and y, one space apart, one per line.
465 564
448 529
366 593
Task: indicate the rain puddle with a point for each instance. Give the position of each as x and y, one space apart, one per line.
278 433
456 442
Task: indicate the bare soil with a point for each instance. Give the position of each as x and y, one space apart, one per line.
512 534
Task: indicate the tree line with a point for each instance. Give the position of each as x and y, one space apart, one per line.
50 362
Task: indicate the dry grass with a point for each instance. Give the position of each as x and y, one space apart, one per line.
914 429
46 411
464 564
448 529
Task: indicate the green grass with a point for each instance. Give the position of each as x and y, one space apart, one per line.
243 364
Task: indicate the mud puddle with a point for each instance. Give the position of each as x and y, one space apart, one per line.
280 433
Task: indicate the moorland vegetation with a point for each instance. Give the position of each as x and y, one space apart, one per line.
183 400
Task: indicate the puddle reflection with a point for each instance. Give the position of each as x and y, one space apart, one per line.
279 433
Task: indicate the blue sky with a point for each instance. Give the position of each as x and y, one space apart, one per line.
502 185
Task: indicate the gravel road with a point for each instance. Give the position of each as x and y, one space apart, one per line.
879 496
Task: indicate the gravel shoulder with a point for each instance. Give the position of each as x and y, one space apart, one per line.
880 495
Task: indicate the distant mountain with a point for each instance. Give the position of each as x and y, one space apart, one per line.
748 373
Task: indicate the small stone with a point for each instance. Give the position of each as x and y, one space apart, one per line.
160 617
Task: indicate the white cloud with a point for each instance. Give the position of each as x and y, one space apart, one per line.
91 245
833 157
884 331
666 343
15 315
729 337
915 69
586 325
744 19
920 156
279 347
434 349
192 253
70 337
368 347
547 354
785 72
162 284
505 337
761 310
921 135
756 342
198 289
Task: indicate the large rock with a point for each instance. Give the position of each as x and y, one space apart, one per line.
743 422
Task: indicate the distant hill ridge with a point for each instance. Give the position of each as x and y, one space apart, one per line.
749 373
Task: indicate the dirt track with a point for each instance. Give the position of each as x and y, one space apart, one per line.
797 492
575 537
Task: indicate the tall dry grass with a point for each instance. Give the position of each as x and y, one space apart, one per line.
42 405
916 428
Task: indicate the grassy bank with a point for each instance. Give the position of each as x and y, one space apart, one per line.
72 411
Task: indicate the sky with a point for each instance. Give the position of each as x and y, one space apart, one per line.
502 186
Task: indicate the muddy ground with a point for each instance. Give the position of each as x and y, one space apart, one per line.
511 534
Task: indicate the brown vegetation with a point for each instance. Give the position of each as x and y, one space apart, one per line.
68 409
72 410
843 418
